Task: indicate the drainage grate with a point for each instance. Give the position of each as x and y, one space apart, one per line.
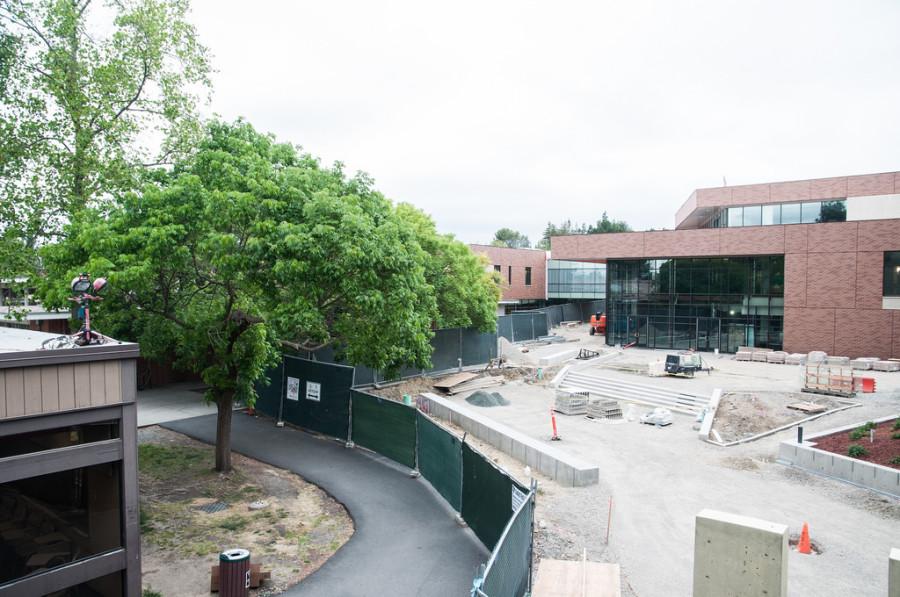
213 507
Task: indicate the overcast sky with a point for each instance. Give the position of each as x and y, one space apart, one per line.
490 114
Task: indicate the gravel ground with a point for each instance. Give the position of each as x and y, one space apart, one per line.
660 478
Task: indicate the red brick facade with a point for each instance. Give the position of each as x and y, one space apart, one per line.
518 260
833 271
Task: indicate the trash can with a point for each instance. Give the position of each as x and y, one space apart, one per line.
234 573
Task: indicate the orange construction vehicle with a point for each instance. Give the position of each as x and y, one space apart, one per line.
598 324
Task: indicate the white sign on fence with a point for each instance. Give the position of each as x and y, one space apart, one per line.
293 388
314 391
518 498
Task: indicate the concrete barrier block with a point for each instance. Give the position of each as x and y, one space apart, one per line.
565 475
894 573
586 476
787 452
887 480
863 473
842 468
739 556
805 458
548 465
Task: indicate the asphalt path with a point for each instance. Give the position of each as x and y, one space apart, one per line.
406 540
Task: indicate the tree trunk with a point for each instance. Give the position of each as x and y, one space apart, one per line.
225 407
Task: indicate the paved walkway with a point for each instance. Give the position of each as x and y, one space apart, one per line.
172 402
406 543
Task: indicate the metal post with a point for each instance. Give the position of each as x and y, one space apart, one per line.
800 434
280 421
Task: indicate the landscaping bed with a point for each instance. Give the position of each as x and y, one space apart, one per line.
885 450
190 513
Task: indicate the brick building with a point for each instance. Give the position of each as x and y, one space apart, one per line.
523 273
802 265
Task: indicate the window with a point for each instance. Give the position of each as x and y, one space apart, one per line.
735 217
527 276
52 520
810 212
790 213
50 439
892 273
834 211
509 275
771 215
753 215
497 268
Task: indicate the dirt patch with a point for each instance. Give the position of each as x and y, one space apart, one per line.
885 450
190 513
744 414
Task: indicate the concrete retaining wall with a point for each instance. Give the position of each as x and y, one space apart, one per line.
563 468
866 474
739 556
894 574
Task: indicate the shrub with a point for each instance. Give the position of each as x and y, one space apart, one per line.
895 460
858 433
149 592
857 451
868 425
897 425
896 436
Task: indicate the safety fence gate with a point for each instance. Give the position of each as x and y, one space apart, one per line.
508 571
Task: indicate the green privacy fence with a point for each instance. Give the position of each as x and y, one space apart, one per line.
384 426
309 394
439 455
508 571
487 496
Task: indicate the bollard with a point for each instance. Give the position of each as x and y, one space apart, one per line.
234 573
800 434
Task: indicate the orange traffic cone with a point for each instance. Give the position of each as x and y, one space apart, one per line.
803 546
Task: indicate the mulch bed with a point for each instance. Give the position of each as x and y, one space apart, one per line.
882 451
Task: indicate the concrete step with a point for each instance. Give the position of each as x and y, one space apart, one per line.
682 402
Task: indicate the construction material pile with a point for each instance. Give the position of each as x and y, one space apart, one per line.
571 401
466 382
604 408
482 398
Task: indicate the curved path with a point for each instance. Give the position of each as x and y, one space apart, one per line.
406 543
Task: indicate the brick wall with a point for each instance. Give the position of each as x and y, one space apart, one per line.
833 272
518 259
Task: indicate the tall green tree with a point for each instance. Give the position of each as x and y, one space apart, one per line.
81 84
605 225
243 246
507 237
466 292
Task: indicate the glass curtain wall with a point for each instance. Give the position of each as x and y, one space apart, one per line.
810 212
575 280
697 303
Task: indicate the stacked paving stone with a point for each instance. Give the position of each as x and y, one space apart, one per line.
886 366
863 363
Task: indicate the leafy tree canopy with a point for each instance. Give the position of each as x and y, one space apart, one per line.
466 292
603 225
248 243
79 82
507 237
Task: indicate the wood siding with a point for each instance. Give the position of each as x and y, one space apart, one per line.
57 388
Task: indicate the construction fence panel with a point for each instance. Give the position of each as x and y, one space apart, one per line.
385 427
486 496
591 308
523 326
505 327
316 395
439 455
541 325
508 571
478 347
571 312
268 395
446 346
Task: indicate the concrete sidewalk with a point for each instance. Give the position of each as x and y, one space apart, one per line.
172 402
406 543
